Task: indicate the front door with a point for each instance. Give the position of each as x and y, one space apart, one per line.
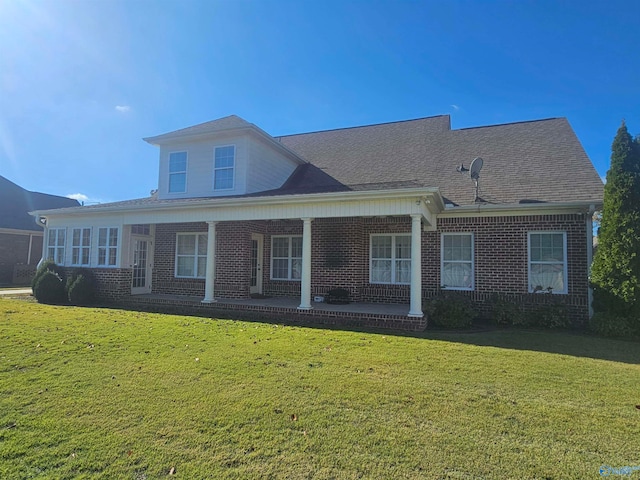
257 241
141 263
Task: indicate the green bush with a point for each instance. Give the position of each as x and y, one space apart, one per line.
505 312
49 288
554 315
81 291
47 265
450 310
612 325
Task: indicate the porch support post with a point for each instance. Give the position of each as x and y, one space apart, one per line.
415 309
211 264
305 284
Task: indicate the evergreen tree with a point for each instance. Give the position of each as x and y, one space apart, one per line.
615 273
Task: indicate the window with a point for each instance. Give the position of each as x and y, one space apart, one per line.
55 245
390 259
191 255
548 262
223 166
456 269
80 246
108 246
178 172
141 229
286 257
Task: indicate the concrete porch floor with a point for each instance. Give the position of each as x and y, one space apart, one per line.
289 303
376 315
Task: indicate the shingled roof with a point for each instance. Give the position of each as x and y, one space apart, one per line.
527 162
16 202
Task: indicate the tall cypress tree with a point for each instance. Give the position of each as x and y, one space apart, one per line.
615 273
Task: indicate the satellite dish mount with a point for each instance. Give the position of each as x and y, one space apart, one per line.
474 173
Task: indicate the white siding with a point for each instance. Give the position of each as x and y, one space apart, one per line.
200 168
268 169
258 167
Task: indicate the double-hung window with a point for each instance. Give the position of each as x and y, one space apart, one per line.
108 246
178 172
55 244
456 268
390 259
191 255
286 257
548 262
223 167
80 246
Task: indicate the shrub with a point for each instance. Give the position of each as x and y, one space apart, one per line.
611 325
81 291
554 315
49 288
47 265
506 312
450 310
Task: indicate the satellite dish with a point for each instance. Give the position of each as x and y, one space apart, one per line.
474 169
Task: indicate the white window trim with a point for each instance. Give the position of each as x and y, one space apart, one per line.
81 247
473 263
233 169
108 248
195 256
56 246
289 258
393 257
186 168
565 262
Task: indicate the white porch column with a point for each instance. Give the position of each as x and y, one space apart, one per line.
305 284
415 309
211 264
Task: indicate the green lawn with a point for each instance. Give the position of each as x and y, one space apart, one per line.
88 393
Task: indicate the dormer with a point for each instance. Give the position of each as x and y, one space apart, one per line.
224 157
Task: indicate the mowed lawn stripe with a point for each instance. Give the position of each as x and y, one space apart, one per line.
88 392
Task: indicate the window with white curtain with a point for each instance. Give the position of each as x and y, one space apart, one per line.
286 257
390 259
456 269
191 255
548 262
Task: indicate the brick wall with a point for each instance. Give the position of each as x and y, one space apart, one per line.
340 258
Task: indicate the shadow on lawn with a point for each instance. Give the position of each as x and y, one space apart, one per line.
576 344
564 343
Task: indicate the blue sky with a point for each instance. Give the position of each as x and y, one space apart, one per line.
81 82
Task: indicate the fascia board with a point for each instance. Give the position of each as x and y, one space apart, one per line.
488 210
432 195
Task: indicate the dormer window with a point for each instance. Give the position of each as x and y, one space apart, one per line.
178 172
223 167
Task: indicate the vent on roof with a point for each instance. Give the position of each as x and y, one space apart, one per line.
474 173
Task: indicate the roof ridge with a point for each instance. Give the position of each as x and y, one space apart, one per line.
510 123
363 126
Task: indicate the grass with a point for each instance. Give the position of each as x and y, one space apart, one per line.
101 393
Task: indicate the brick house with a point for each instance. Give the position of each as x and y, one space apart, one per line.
20 236
378 210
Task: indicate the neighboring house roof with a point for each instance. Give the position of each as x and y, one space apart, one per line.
16 202
537 161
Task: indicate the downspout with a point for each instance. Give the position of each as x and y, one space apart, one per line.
42 222
589 222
